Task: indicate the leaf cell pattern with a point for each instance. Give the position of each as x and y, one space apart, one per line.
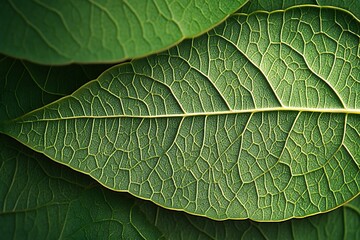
341 224
258 118
35 188
353 6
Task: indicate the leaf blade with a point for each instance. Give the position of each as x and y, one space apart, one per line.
225 139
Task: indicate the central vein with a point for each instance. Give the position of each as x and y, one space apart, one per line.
195 114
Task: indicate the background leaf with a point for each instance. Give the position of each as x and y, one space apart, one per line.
54 32
222 126
26 86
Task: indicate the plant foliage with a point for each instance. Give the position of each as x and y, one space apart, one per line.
257 118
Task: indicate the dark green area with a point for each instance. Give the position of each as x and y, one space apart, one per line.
62 32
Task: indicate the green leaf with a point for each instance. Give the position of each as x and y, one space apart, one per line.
60 32
263 109
42 200
51 201
353 6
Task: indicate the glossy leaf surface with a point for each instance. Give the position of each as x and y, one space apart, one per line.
222 126
60 32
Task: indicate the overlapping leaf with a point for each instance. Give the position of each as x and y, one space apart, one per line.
26 86
257 119
59 32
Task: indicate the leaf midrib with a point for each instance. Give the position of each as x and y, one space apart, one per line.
196 114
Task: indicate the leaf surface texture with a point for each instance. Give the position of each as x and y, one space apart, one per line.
258 118
28 198
353 6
